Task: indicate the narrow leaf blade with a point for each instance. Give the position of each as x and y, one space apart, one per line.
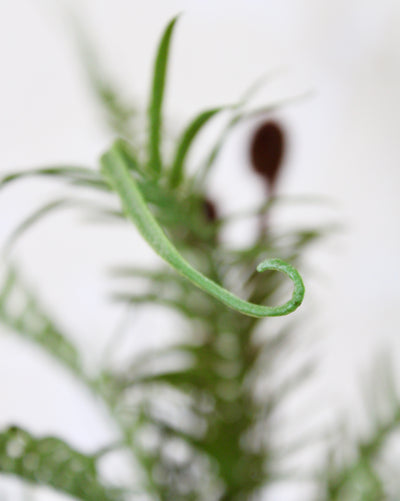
156 100
188 136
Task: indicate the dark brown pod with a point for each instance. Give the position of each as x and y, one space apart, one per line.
210 210
267 149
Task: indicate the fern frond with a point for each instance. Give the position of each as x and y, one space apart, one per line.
50 461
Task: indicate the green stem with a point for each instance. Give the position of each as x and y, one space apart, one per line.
116 172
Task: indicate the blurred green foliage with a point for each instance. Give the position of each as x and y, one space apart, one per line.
212 431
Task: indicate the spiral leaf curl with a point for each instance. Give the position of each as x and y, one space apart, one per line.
117 174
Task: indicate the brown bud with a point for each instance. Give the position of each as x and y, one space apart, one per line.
210 210
267 150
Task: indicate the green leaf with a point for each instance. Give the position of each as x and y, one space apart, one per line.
156 100
185 380
50 461
157 278
54 205
188 309
34 218
116 172
186 141
66 172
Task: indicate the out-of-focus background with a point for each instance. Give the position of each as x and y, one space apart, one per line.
343 145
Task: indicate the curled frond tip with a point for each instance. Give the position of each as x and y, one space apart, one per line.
117 174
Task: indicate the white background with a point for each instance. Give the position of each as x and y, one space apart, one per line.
343 145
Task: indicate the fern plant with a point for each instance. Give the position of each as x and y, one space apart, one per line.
211 428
